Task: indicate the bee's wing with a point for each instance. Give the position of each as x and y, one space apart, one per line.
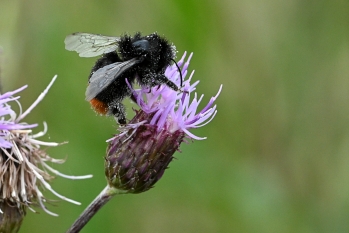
90 45
104 76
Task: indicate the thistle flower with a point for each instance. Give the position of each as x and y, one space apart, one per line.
138 156
23 163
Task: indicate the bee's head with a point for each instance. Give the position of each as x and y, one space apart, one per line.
156 52
141 46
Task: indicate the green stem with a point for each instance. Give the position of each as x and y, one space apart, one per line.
92 209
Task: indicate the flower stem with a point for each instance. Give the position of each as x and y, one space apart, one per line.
107 193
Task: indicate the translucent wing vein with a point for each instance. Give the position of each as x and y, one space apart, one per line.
90 45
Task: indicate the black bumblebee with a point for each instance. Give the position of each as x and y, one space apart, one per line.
144 58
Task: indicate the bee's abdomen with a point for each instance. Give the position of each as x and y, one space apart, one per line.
99 106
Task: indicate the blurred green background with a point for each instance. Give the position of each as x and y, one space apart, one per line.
277 154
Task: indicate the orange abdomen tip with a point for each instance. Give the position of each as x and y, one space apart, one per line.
99 106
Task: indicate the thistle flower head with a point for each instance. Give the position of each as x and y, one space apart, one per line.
24 169
138 156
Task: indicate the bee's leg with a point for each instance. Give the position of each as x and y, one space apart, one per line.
164 80
121 121
118 110
154 79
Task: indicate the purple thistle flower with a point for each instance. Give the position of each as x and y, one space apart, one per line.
138 156
23 164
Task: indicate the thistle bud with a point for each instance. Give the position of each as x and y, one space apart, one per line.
137 159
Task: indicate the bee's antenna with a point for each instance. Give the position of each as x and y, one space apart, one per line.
180 72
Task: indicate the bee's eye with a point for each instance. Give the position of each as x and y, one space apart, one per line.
142 45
